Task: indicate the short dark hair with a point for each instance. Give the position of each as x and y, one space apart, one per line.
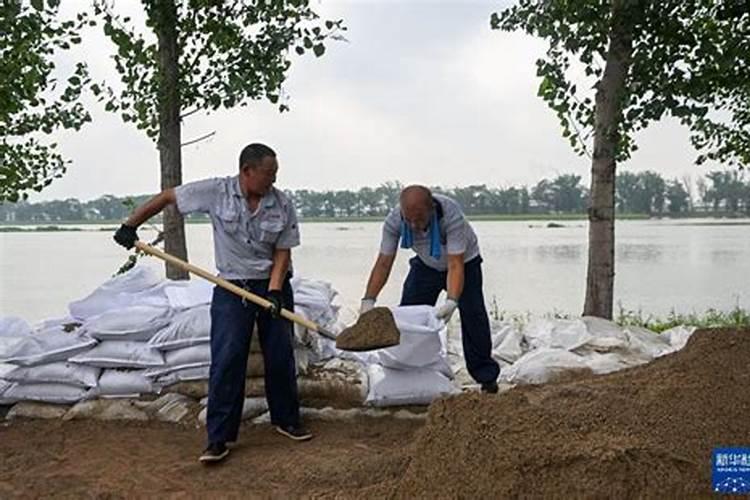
254 153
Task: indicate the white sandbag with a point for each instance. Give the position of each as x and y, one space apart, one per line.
184 375
128 323
605 335
139 286
6 368
422 341
645 344
251 408
180 359
120 354
316 298
46 347
506 343
188 294
391 387
542 365
558 333
58 372
187 328
608 362
677 338
13 326
48 393
124 383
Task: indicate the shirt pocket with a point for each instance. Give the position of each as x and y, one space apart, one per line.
229 219
270 230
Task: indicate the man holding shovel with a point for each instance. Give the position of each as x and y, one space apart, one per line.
254 229
447 258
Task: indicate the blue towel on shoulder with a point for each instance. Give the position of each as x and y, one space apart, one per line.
407 236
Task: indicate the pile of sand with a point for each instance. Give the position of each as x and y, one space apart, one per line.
644 431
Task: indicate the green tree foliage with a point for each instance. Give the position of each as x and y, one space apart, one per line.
35 98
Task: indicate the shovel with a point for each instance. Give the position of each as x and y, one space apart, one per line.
372 331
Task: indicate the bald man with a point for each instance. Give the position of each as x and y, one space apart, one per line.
447 258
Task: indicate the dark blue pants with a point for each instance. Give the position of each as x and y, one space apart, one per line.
232 321
422 287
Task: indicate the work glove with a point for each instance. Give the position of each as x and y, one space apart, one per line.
366 305
126 236
445 311
276 298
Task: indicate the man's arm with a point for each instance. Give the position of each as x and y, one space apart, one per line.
279 267
151 208
126 235
455 279
379 275
454 286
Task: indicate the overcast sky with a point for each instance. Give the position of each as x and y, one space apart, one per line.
422 92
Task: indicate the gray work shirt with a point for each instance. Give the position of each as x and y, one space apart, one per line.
243 241
456 235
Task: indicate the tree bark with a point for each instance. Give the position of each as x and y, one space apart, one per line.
600 276
170 155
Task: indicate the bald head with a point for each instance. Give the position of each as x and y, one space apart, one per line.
416 206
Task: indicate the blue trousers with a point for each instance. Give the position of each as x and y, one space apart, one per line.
423 285
232 321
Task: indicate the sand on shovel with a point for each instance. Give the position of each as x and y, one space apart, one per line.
374 329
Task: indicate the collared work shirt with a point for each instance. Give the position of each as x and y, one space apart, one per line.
456 235
244 241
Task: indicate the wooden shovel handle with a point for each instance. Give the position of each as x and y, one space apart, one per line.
255 299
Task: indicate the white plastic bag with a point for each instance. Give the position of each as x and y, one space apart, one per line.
181 359
128 323
506 343
120 354
391 387
123 383
559 333
677 338
188 294
184 375
187 328
605 335
47 393
139 286
58 372
46 347
542 365
422 342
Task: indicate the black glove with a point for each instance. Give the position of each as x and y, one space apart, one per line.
126 236
276 298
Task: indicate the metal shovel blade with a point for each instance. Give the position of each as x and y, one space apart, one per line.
375 329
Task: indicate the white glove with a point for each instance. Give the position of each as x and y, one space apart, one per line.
445 311
366 305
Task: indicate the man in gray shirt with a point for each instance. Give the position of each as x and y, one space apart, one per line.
447 258
254 229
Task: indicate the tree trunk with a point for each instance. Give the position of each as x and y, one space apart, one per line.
170 155
600 277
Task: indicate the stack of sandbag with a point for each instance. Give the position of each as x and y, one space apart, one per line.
416 371
34 363
543 349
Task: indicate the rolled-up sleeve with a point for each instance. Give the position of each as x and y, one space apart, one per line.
289 237
455 231
391 233
198 196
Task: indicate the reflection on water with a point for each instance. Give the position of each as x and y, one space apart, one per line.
638 252
661 265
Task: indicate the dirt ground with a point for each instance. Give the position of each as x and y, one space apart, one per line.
124 460
647 431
